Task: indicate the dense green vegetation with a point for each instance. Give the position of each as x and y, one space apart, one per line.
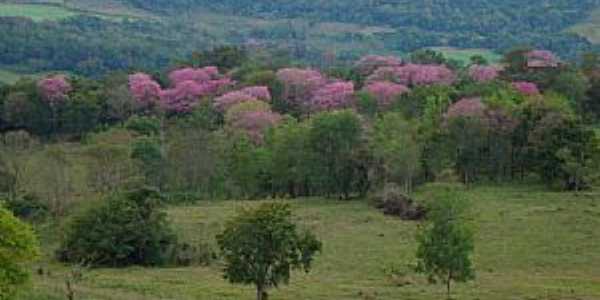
98 36
242 166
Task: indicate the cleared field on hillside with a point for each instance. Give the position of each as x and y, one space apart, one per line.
589 28
464 55
530 245
37 12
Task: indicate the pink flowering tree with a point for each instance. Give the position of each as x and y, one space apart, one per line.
368 64
252 117
332 96
225 102
255 123
386 92
541 59
526 88
188 87
483 73
415 75
466 108
299 85
144 89
54 89
258 92
200 75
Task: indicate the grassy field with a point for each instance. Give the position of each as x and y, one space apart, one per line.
464 55
8 77
37 12
530 245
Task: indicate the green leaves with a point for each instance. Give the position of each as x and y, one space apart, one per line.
262 245
446 241
18 245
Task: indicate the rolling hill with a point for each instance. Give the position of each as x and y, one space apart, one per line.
92 37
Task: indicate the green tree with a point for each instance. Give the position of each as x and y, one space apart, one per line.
126 229
445 243
18 245
334 138
396 146
261 246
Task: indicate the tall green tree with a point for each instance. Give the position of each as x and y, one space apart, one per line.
446 243
261 246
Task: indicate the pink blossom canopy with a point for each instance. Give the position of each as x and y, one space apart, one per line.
143 88
188 86
333 96
467 107
196 75
369 63
526 88
483 73
258 92
385 92
225 102
415 75
254 123
54 88
541 59
300 84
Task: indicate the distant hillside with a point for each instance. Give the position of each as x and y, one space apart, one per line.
95 36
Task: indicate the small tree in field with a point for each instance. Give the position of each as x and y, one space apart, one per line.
446 242
261 246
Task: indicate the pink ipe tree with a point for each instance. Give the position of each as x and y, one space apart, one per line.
369 63
415 75
54 89
466 108
385 92
144 89
335 95
526 88
258 92
481 73
225 102
255 123
541 59
299 85
188 87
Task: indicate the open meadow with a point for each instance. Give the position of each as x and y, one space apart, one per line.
530 244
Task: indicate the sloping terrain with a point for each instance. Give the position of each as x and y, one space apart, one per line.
92 36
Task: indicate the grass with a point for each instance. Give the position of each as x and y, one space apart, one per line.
37 12
9 77
464 55
530 244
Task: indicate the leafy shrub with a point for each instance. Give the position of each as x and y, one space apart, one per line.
392 201
127 229
144 125
28 207
18 245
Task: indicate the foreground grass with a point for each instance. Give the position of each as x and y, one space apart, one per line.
530 245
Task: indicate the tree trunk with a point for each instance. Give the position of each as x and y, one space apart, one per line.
261 293
448 284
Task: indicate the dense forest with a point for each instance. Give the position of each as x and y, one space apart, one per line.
90 43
